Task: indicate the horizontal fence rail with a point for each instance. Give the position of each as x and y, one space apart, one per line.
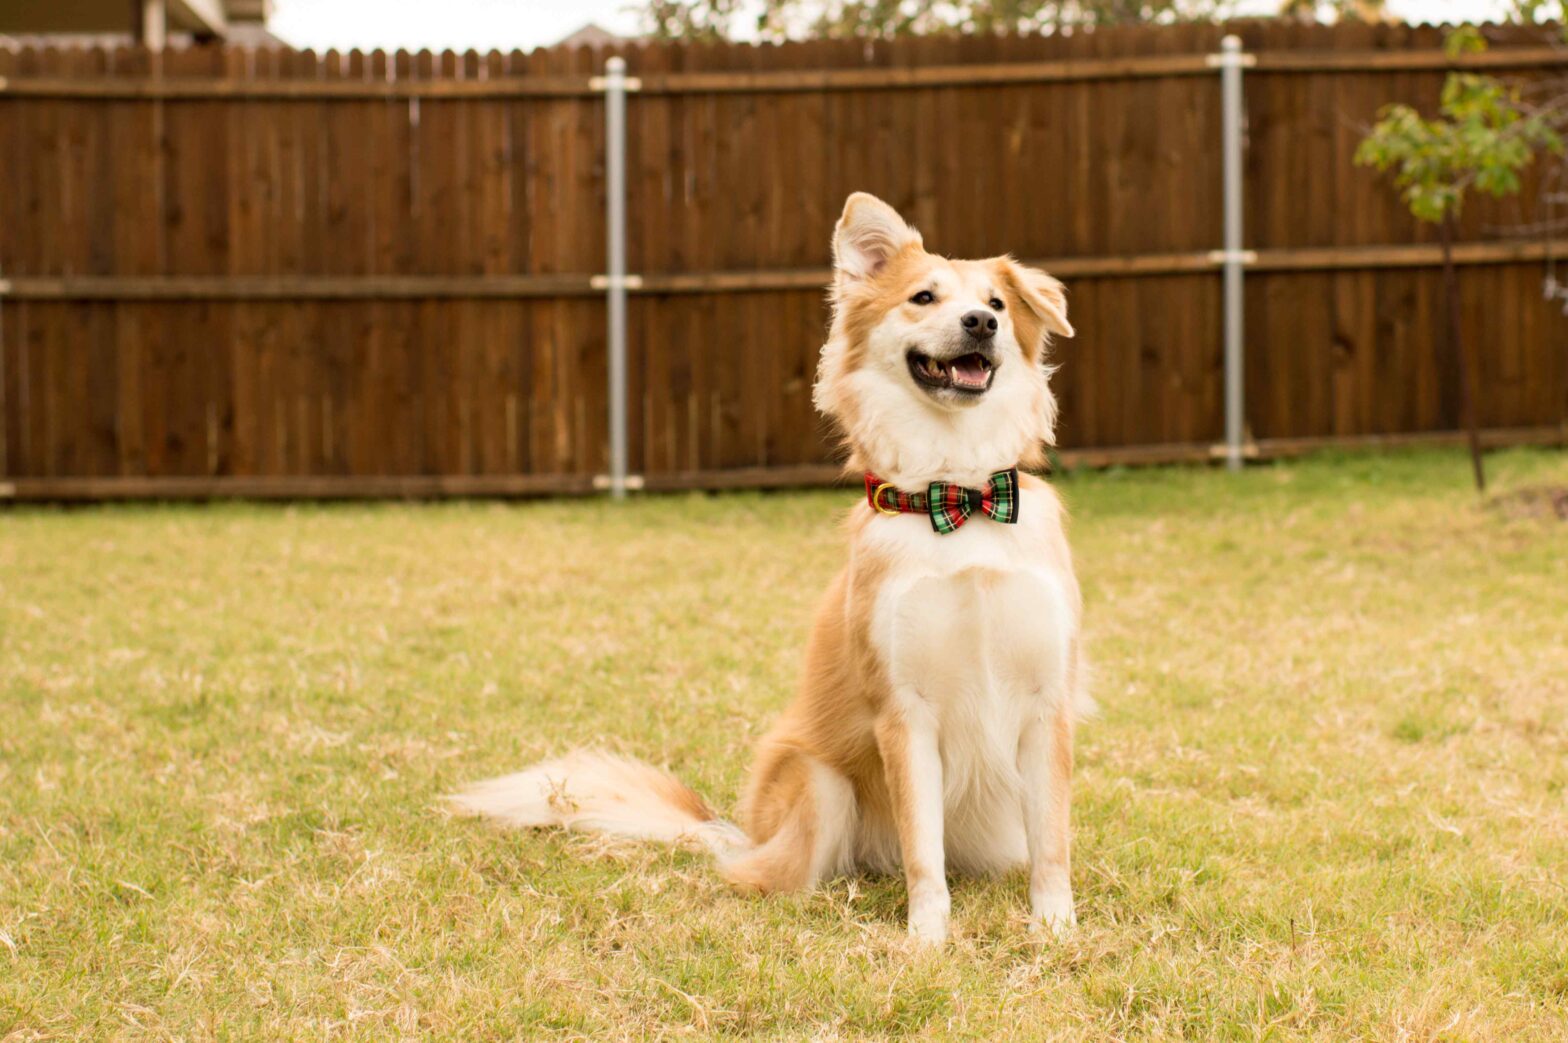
373 487
786 81
284 274
506 287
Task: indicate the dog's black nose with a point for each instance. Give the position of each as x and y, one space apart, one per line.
979 324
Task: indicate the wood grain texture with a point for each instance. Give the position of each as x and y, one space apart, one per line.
227 272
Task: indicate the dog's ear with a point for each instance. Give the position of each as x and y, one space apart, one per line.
1043 294
869 234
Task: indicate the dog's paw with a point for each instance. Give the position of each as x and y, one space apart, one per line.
1054 913
928 919
928 930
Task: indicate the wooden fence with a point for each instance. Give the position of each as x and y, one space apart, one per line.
279 273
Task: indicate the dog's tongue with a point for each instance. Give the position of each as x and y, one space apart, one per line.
969 371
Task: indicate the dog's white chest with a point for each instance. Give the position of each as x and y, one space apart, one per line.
976 622
978 634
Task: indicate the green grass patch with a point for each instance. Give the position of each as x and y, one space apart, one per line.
1324 798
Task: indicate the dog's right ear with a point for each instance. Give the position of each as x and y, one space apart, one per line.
869 234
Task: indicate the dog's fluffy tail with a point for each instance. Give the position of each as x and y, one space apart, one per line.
603 793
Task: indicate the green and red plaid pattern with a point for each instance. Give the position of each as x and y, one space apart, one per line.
947 504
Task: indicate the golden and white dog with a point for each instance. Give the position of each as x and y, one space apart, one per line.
934 724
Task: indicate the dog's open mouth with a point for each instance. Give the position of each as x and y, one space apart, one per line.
967 374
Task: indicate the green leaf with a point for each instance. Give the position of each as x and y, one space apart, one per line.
1466 39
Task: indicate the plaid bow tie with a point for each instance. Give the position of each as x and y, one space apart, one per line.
950 505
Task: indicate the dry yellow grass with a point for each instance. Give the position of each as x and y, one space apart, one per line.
1325 798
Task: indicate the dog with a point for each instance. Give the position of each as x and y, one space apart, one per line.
933 727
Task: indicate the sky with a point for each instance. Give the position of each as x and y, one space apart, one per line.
524 24
443 24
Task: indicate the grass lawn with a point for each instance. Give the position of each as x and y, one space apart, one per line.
1326 796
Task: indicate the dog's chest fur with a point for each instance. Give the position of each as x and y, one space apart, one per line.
976 627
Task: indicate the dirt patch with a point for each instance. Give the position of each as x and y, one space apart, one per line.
1535 501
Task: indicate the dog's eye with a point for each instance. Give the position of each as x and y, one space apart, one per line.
996 304
923 297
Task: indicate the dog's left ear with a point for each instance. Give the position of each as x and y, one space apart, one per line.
1044 295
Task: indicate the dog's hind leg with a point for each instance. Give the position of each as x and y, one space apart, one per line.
801 818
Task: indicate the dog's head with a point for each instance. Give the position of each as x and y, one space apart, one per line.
935 368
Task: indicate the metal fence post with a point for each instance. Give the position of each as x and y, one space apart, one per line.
615 288
1231 61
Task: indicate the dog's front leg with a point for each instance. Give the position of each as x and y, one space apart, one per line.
1045 764
912 764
